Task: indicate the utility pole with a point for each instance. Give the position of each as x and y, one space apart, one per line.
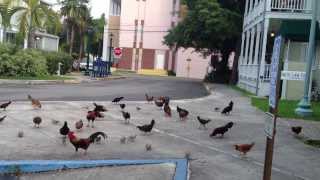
304 106
110 54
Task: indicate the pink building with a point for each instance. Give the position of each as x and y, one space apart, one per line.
138 27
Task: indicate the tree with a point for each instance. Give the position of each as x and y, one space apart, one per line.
7 11
97 41
33 16
83 22
53 25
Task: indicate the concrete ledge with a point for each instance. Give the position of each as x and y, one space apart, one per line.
36 166
155 72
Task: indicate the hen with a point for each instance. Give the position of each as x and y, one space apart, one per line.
84 143
34 102
147 128
2 118
229 125
149 99
167 110
99 108
79 124
117 100
227 110
122 106
64 132
91 116
37 121
183 113
5 105
243 148
126 116
297 129
203 122
220 130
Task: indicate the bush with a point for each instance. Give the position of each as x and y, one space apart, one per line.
53 58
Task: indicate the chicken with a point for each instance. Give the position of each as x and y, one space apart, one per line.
297 129
37 121
243 148
34 102
122 106
229 125
5 105
64 132
147 128
149 99
79 124
159 102
123 140
203 122
220 130
183 113
227 110
166 99
99 108
167 110
2 118
117 100
148 147
91 116
126 116
84 143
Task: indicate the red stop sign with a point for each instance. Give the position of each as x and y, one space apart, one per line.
117 52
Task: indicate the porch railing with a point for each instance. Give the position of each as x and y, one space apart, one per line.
251 71
291 5
266 73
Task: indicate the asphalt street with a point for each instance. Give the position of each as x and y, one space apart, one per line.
132 88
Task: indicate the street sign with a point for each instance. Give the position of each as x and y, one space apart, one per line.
293 75
269 125
274 71
117 52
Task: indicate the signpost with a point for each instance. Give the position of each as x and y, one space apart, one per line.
271 120
117 52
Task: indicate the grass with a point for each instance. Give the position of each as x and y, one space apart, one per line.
287 108
36 78
312 142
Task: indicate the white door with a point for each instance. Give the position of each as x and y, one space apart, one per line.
159 63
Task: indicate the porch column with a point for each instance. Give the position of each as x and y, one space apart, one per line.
242 50
256 2
264 47
247 8
247 47
251 5
256 53
253 32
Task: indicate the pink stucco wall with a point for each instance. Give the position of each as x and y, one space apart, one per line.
198 64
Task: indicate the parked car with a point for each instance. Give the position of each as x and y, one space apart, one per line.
83 65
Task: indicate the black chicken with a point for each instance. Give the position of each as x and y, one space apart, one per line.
2 118
126 116
183 113
99 108
220 130
227 110
297 129
117 99
229 125
203 122
122 106
37 121
64 132
147 128
5 105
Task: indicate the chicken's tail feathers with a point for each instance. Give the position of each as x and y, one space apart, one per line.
93 136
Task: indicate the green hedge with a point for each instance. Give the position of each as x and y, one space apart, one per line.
31 62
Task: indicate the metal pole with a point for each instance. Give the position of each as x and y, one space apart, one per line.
110 52
304 106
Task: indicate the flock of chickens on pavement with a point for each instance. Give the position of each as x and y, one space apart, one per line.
161 102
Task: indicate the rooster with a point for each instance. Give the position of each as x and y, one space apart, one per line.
243 148
147 128
227 110
167 110
149 99
220 130
84 143
126 116
79 124
34 102
99 108
91 116
64 132
5 105
183 113
159 102
203 122
297 130
2 118
117 100
122 106
37 121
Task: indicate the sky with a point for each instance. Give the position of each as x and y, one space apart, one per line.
97 7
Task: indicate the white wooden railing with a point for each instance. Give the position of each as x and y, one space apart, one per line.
250 71
266 73
291 5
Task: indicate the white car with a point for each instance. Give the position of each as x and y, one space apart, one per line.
83 65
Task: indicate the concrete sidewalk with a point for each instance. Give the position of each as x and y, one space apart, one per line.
212 158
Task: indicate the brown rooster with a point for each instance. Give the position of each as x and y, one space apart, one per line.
79 125
149 99
183 113
167 110
34 102
5 105
243 148
84 143
297 130
91 116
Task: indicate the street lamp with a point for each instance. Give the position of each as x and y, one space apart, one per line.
90 32
304 106
110 53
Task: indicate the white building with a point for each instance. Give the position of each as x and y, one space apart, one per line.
263 20
44 41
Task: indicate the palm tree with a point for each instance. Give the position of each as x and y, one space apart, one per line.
72 10
7 11
33 16
82 24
